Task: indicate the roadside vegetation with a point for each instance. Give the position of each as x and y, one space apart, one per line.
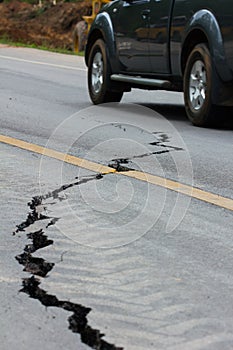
6 41
47 25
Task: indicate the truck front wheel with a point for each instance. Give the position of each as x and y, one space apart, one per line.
99 84
200 80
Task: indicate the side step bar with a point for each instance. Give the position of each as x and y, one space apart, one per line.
163 84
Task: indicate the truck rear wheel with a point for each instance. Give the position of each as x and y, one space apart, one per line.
200 80
99 84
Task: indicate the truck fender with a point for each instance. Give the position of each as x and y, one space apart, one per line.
207 23
103 28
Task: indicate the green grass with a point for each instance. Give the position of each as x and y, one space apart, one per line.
6 41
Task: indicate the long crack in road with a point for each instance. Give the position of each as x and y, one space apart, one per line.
78 322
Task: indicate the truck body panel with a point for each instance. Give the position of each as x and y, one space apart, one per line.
153 39
154 42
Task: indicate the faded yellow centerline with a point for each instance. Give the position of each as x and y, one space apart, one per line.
80 162
190 191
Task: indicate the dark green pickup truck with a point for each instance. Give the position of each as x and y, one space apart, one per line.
176 45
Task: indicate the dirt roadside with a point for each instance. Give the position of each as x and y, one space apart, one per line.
50 25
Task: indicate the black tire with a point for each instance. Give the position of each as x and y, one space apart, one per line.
100 87
200 84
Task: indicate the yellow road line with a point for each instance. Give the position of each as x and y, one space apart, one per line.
83 163
190 191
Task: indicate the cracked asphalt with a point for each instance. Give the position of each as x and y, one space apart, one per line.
96 255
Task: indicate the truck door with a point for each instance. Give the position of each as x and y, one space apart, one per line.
159 28
131 32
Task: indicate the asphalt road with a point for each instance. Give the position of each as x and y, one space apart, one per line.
130 236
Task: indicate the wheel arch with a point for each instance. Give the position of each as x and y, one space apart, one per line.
102 29
194 38
203 28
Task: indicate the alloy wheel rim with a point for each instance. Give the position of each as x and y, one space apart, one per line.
197 85
97 72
